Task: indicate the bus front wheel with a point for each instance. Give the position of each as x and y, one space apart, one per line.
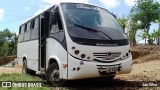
53 75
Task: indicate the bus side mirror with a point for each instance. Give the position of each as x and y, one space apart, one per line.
53 17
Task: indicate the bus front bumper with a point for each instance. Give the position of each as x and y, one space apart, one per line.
79 69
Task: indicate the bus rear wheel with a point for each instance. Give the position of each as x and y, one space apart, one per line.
53 75
25 70
24 67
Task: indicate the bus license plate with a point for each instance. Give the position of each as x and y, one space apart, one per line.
111 69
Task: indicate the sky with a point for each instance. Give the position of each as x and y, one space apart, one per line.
14 12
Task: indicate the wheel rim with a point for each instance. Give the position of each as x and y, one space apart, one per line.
55 75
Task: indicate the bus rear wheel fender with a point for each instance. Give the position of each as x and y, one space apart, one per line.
25 69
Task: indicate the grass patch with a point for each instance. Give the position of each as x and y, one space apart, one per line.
21 77
18 77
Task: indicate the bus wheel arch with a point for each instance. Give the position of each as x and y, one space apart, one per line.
25 70
52 60
24 58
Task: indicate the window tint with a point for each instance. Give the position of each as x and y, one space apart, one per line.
27 35
22 29
21 33
34 34
32 24
25 27
20 37
34 29
28 26
36 23
59 23
27 32
57 26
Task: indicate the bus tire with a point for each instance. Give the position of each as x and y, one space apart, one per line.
53 75
25 70
24 67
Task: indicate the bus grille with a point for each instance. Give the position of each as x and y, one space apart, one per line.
108 56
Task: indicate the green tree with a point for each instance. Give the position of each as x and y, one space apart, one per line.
153 36
123 21
133 27
158 37
130 27
8 43
145 11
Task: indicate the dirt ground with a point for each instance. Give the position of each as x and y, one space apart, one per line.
6 70
147 71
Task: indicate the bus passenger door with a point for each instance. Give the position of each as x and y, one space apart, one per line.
44 22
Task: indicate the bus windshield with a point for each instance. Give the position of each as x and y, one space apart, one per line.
92 17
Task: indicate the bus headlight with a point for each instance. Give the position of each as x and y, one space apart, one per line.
76 52
129 51
127 54
83 55
88 57
73 48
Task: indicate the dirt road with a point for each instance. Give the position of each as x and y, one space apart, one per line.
147 71
6 70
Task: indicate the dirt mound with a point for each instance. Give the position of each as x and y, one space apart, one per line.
150 57
148 71
6 60
144 53
145 64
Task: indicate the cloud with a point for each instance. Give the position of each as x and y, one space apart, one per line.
1 14
46 3
27 8
50 1
110 3
57 1
130 2
38 12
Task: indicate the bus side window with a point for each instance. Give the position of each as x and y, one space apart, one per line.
34 28
21 33
32 24
56 24
27 31
59 22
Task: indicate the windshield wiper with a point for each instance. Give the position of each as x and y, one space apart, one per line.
90 29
